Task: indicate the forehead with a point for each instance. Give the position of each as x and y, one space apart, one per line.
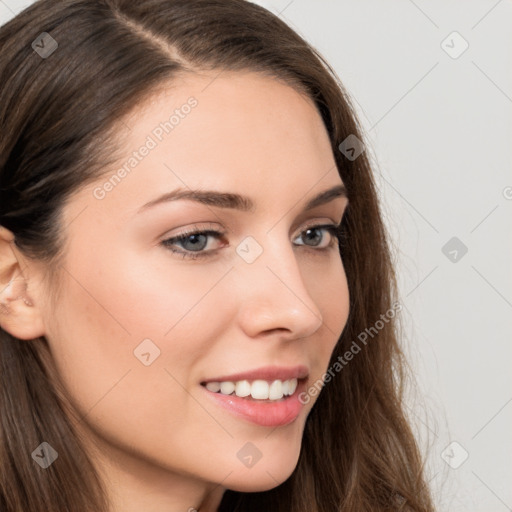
226 109
242 132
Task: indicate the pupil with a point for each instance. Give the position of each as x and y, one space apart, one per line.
195 241
308 232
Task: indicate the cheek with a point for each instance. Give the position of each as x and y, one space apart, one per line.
126 342
127 327
121 299
330 292
332 297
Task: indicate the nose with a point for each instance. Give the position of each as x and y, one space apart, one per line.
273 295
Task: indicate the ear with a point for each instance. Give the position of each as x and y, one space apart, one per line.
19 315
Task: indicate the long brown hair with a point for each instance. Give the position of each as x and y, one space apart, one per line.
56 113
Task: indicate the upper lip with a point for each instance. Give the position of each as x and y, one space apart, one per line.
269 373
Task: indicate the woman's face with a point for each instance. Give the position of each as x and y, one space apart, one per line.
138 329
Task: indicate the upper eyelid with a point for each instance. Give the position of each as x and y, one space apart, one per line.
332 214
209 227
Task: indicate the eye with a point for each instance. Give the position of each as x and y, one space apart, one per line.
193 243
313 234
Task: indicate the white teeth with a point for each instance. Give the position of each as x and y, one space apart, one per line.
226 388
275 391
258 389
213 386
243 388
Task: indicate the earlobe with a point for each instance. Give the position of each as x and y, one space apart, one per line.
18 314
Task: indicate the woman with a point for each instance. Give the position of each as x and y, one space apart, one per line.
198 306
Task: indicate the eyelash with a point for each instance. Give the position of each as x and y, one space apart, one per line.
333 230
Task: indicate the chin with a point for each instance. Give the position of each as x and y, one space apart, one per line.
263 476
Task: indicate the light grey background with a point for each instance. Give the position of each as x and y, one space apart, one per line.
439 131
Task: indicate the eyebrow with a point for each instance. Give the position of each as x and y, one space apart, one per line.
236 201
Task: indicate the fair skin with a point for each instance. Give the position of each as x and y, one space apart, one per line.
159 441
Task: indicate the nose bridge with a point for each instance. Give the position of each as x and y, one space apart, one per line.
274 294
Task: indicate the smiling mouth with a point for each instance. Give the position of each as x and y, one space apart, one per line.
267 403
255 390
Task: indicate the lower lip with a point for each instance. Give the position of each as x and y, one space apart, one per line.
261 412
